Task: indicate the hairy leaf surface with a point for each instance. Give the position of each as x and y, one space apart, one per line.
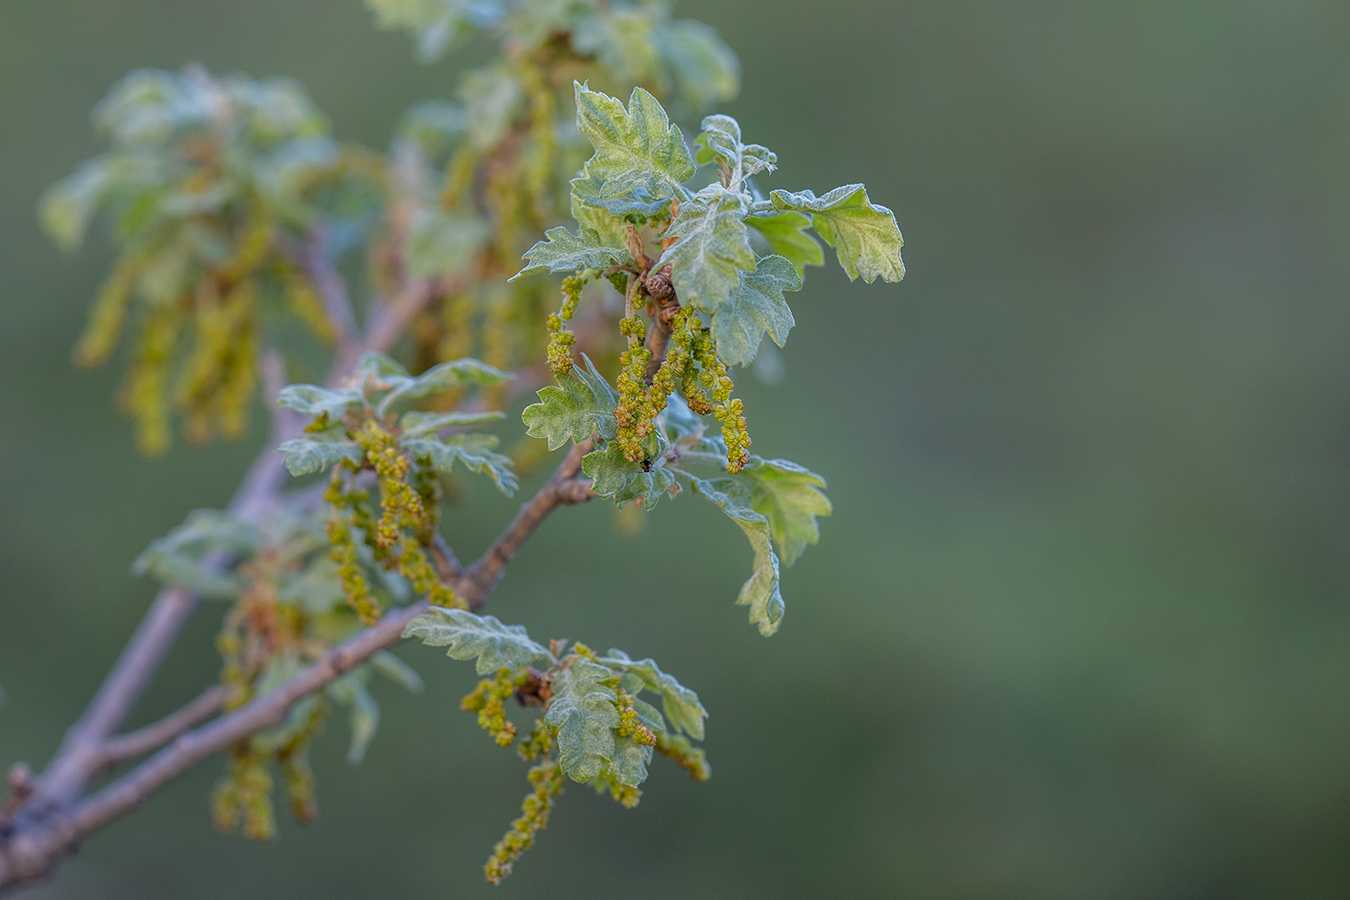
863 234
637 147
568 252
582 709
471 450
760 591
681 705
615 477
470 636
791 497
721 140
581 404
754 307
319 451
713 247
787 237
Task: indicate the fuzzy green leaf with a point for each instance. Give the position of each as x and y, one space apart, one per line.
713 247
791 497
754 307
312 400
179 557
681 705
863 234
615 477
470 636
581 404
721 139
704 68
471 450
568 252
319 451
785 232
582 709
760 591
630 761
636 147
364 716
442 377
441 243
420 424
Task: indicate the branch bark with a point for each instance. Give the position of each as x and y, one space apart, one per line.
40 837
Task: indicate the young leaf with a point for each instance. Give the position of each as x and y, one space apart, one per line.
630 761
785 232
582 709
791 497
471 450
721 139
754 307
568 252
396 670
443 377
312 400
581 404
420 424
319 451
681 705
469 636
636 147
760 591
350 690
704 68
713 247
615 477
441 243
864 235
438 24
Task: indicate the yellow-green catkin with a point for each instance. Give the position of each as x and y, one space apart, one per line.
342 547
560 339
147 381
626 795
714 377
109 312
458 313
244 795
547 778
302 299
631 416
543 150
690 758
293 759
488 699
630 725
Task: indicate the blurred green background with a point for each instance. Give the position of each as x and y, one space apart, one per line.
1079 625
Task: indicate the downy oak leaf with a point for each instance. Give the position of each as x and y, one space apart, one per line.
312 400
467 635
713 247
442 377
754 307
721 139
760 591
568 252
471 450
637 147
863 234
681 705
420 424
786 235
613 476
582 709
629 765
637 202
319 451
441 243
364 713
581 404
791 497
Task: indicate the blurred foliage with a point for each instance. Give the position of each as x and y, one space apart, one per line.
1079 626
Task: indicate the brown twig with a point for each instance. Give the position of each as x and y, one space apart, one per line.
157 734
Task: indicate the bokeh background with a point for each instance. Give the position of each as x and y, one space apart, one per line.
1079 625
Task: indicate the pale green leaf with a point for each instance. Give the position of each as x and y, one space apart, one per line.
636 147
629 765
397 671
760 591
312 400
437 24
582 709
420 424
703 67
67 207
615 477
441 377
681 705
713 247
364 713
786 235
721 140
568 252
474 451
754 307
444 243
319 451
471 636
863 234
581 404
791 497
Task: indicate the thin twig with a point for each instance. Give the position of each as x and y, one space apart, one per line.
157 734
36 844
